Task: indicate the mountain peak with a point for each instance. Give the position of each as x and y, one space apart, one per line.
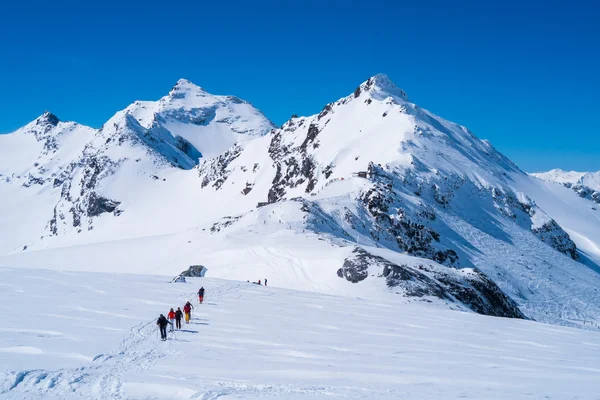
47 118
184 82
382 85
383 81
184 87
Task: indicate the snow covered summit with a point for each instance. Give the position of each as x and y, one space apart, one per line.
210 123
382 85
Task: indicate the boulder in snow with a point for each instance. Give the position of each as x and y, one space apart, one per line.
195 271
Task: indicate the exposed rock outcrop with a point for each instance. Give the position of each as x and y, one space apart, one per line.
468 287
195 271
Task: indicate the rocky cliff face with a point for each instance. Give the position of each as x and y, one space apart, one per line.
585 192
469 288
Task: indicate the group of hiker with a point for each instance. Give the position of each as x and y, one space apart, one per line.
259 283
173 318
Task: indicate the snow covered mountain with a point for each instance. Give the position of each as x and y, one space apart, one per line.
373 195
589 179
199 120
586 184
81 174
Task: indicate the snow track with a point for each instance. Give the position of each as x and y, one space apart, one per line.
103 377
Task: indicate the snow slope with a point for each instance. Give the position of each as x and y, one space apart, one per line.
578 215
92 335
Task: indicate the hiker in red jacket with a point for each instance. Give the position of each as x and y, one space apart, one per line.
187 310
171 317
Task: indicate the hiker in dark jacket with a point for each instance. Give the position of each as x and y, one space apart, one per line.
178 316
162 323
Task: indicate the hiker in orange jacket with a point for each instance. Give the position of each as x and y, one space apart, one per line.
171 317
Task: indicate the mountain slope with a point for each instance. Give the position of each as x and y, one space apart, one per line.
373 194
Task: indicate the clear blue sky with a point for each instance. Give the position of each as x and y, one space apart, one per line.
526 77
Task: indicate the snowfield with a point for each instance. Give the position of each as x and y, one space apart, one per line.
74 335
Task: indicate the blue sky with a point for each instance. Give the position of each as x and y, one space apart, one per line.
526 77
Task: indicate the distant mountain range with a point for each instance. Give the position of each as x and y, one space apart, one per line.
586 184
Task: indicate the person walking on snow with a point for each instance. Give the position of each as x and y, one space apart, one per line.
178 316
171 316
265 281
187 309
201 295
162 325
